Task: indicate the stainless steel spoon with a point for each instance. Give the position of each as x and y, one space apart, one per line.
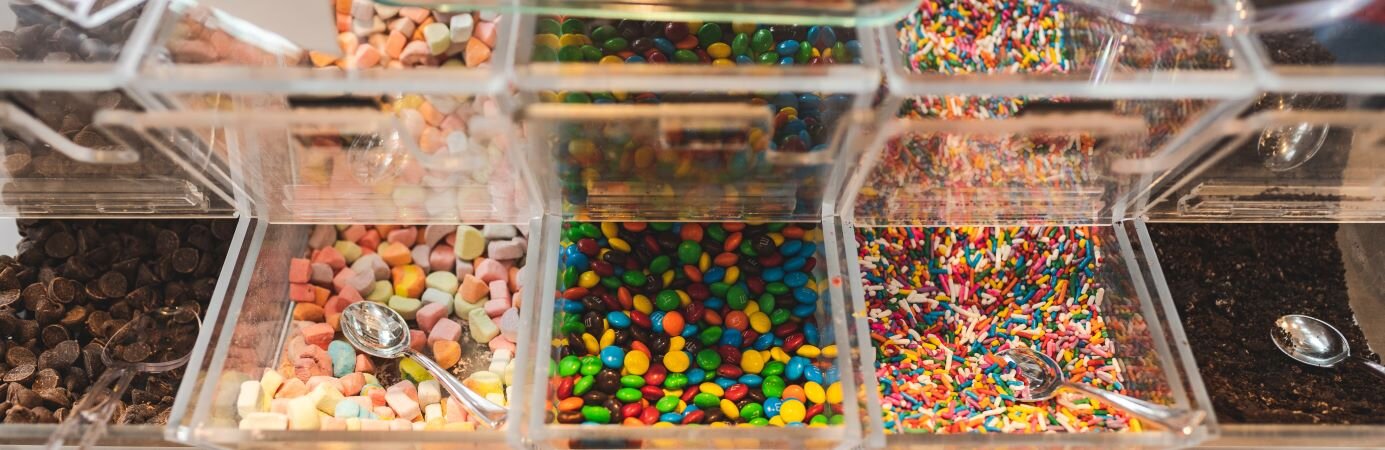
1287 147
380 331
157 341
1316 343
1044 377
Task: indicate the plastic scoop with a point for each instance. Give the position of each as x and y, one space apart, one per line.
381 332
155 341
1044 377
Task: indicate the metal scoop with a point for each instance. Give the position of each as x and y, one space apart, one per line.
1316 343
1044 378
156 341
380 331
1287 147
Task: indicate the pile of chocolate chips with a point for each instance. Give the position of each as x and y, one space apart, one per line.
41 36
73 284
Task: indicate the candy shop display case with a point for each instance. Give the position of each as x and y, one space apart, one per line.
779 11
138 419
1327 52
1070 168
1288 157
43 48
680 166
378 49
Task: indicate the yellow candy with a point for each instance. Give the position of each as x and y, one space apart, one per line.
806 351
815 392
619 244
547 40
683 298
759 322
676 361
730 410
719 50
673 392
733 273
776 237
743 27
608 337
637 363
752 362
829 351
778 420
609 229
414 371
751 308
588 279
611 59
668 277
711 388
573 39
704 262
792 411
723 62
676 343
834 393
642 304
590 343
778 354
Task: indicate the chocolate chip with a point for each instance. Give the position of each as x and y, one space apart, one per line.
46 379
20 373
60 245
60 356
9 296
185 260
34 295
64 290
53 335
18 356
114 285
56 397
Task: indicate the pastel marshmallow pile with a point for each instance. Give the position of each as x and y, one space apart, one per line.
451 283
378 35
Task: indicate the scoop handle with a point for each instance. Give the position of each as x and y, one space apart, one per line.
485 411
90 416
1373 367
1179 420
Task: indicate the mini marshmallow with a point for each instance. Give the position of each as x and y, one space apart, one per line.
327 396
495 307
431 313
499 232
460 307
264 421
461 26
470 242
299 270
374 265
441 257
269 385
405 306
447 330
507 250
432 295
438 37
348 250
250 400
302 414
465 268
420 258
429 392
432 412
443 281
473 289
320 274
509 324
485 383
482 328
404 407
489 270
322 236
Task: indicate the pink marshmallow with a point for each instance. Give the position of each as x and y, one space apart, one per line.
429 315
485 31
465 268
384 413
500 290
353 233
332 424
320 274
405 236
363 364
505 250
453 411
292 388
497 306
352 383
299 270
319 335
500 343
423 257
441 257
407 387
418 339
328 380
401 424
331 257
350 295
279 405
359 281
434 233
302 293
445 330
376 395
490 270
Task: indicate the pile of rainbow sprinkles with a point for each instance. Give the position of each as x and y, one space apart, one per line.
942 302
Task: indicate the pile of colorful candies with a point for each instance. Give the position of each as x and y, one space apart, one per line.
721 44
982 36
942 302
665 324
457 286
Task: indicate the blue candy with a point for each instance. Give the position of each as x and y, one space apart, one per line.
832 375
696 375
578 261
744 59
656 319
802 310
805 295
810 333
787 48
764 342
772 274
666 47
713 275
785 100
671 417
791 246
751 380
812 373
796 279
725 383
809 102
635 59
618 319
613 357
786 61
822 36
731 339
714 303
572 307
689 330
772 406
794 369
343 358
795 263
808 249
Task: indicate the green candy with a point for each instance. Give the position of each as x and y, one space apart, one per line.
706 401
666 404
737 297
591 53
708 359
775 368
583 385
628 395
568 366
603 33
572 323
611 283
667 300
676 381
717 232
569 278
542 53
767 303
818 420
590 365
708 34
839 52
710 335
577 98
740 45
598 414
762 41
837 419
614 44
767 58
779 316
632 381
571 53
661 226
590 230
753 411
773 386
573 26
775 227
604 96
759 422
659 264
685 56
777 288
746 250
570 234
805 53
548 26
689 252
719 289
633 278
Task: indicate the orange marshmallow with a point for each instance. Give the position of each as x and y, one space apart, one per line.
409 279
395 254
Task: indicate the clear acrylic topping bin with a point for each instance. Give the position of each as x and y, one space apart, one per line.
836 12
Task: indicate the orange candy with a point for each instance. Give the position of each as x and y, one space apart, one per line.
673 323
737 320
691 232
570 404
